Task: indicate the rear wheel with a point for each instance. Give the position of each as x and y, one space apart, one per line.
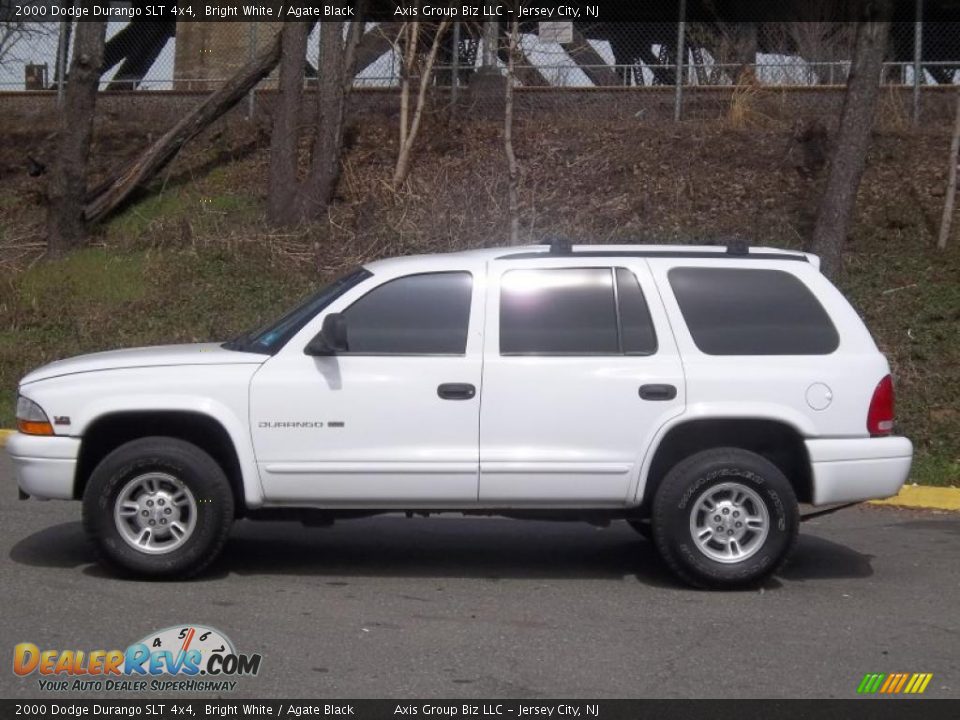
158 507
725 518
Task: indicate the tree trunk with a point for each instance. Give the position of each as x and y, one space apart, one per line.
113 193
318 189
284 138
513 169
293 201
951 194
410 124
68 180
853 137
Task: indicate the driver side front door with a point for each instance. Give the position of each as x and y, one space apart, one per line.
394 420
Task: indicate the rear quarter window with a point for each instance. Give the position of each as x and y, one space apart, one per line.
748 311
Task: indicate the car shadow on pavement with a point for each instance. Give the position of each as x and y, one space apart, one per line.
58 546
487 548
815 558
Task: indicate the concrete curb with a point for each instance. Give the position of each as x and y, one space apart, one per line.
924 496
911 496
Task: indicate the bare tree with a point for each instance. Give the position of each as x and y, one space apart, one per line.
733 47
285 136
19 40
118 188
336 63
853 137
951 193
66 228
823 45
292 201
513 168
413 70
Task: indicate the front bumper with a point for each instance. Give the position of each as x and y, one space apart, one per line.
855 469
45 466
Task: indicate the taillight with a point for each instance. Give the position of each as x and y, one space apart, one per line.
880 414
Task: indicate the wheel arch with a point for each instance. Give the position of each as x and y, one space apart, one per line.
113 429
777 440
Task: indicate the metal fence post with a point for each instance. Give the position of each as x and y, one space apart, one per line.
252 97
681 51
491 37
917 55
455 62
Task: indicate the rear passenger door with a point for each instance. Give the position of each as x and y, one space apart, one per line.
580 370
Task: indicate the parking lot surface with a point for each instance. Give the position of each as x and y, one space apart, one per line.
450 607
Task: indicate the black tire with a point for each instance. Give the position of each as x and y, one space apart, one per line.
687 482
643 527
185 462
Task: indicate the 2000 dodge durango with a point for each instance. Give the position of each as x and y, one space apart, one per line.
698 392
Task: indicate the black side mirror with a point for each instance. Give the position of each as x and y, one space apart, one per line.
332 338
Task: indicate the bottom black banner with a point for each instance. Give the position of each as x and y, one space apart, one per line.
875 709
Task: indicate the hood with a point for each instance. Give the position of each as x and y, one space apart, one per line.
163 355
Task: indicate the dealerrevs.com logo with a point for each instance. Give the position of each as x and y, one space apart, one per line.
183 657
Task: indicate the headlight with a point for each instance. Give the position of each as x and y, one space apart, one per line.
31 419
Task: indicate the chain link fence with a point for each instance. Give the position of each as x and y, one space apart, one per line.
682 58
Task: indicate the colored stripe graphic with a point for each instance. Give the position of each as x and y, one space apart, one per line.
894 683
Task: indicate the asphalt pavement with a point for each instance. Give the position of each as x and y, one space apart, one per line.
453 607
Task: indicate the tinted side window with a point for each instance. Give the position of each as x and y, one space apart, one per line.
637 333
560 311
417 314
736 311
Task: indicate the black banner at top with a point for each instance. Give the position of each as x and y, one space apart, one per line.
525 11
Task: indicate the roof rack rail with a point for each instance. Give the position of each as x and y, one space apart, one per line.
738 253
738 247
560 246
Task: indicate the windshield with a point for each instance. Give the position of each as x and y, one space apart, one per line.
270 338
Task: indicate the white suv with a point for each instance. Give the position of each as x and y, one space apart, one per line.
697 392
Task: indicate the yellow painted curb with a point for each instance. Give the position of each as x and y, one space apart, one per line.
4 434
923 496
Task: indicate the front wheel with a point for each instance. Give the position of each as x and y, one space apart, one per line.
158 507
725 518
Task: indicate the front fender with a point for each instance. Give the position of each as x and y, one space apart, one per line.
218 392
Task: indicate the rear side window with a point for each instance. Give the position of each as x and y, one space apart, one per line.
639 337
574 311
426 314
740 311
